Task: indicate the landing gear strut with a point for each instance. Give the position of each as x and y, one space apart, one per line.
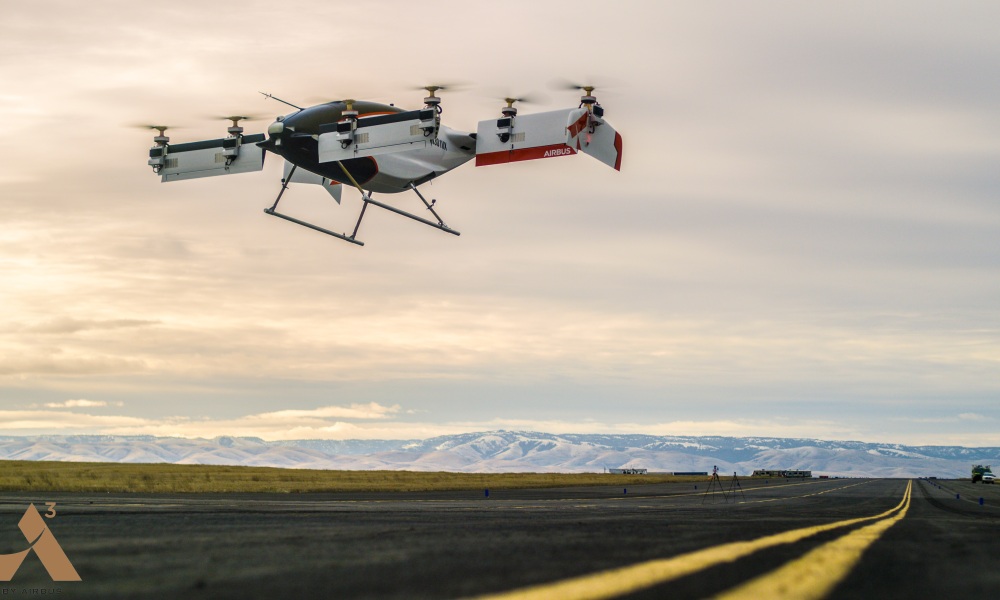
366 198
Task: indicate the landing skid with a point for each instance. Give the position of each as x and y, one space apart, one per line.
341 236
366 198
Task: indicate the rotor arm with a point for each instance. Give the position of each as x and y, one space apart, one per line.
207 158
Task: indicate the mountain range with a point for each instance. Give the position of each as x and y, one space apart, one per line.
518 451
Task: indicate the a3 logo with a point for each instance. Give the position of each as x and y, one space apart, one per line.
43 543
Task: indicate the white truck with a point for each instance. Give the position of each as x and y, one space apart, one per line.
982 473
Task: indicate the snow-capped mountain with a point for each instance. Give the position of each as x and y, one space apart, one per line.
518 451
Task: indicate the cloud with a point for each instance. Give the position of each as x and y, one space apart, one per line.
974 417
52 421
964 418
792 428
81 403
371 410
69 325
57 363
321 422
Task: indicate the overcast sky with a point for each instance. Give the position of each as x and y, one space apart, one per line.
804 238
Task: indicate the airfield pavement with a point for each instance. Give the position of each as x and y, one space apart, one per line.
654 541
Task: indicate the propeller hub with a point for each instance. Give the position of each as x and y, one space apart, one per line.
160 139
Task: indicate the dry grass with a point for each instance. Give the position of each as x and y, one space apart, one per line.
48 476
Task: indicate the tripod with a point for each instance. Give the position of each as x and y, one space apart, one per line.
715 487
735 486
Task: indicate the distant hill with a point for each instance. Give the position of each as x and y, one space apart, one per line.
518 451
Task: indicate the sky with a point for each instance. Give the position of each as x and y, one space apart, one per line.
803 241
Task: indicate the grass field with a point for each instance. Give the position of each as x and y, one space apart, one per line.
47 476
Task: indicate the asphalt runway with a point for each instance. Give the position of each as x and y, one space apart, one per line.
846 538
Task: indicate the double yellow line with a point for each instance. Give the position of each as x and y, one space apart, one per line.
813 575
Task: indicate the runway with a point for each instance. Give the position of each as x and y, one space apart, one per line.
847 538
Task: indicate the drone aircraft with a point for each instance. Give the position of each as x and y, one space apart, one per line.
383 149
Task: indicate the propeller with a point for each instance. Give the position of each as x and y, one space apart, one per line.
236 118
588 97
588 89
235 128
432 98
505 95
161 137
160 128
529 99
510 110
381 95
332 98
439 87
589 86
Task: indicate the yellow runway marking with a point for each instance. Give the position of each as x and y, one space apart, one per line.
625 580
815 575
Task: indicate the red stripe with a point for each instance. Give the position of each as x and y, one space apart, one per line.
579 125
618 148
506 156
493 158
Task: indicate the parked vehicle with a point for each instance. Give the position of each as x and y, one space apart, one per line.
979 473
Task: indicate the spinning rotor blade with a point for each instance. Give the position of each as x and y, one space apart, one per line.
160 128
588 98
433 89
342 91
567 85
353 95
316 100
440 87
528 99
588 86
237 117
160 139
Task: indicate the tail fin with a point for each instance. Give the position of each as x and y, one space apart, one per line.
334 188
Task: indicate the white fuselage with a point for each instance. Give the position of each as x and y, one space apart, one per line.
451 149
